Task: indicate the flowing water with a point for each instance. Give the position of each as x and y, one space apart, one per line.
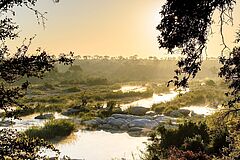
148 102
155 99
204 110
129 88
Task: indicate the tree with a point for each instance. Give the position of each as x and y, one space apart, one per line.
185 26
15 146
75 68
13 67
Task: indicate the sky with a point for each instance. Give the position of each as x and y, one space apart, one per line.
105 27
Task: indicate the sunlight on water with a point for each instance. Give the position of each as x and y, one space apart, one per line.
205 110
101 145
129 88
148 102
29 121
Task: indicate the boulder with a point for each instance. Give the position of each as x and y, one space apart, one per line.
45 116
71 111
6 123
185 112
105 126
161 118
176 113
135 129
124 127
138 110
117 122
143 123
125 116
92 122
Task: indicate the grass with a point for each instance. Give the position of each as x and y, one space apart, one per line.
199 95
52 130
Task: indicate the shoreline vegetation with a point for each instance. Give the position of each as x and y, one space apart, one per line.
53 130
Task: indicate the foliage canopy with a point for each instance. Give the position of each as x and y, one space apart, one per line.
185 25
13 67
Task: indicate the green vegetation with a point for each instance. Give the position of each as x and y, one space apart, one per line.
189 141
52 130
211 95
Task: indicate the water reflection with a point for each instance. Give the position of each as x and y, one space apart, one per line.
28 121
205 110
148 102
101 145
130 88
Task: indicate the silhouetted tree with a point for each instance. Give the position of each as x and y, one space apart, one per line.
13 67
185 26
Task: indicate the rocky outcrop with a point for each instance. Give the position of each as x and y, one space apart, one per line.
71 111
129 123
138 110
45 116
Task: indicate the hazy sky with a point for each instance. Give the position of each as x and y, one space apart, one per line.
104 27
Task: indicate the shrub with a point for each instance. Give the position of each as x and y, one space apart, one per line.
52 130
97 81
176 154
194 144
15 145
219 139
210 83
72 89
182 138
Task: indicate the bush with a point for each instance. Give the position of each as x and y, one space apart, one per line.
182 138
72 89
97 81
187 130
176 154
219 139
15 145
52 130
210 83
194 144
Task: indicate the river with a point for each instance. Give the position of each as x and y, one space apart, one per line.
101 145
90 144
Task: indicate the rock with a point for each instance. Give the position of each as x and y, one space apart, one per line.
124 127
71 111
176 113
125 116
160 118
99 120
143 123
138 110
185 112
117 110
45 116
135 129
180 113
116 122
6 123
106 126
92 123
